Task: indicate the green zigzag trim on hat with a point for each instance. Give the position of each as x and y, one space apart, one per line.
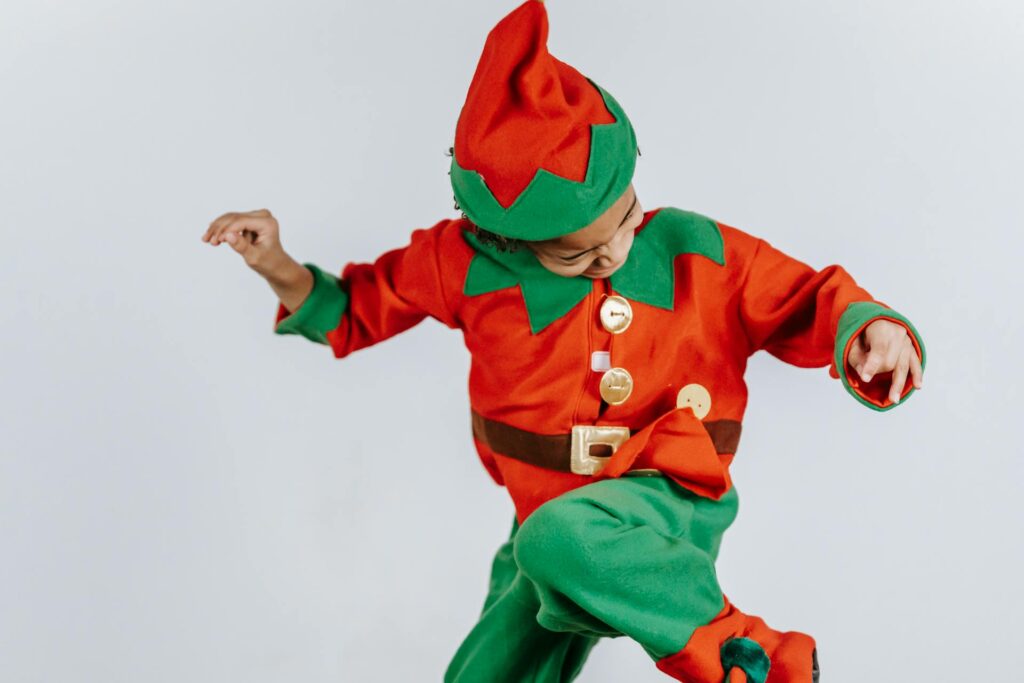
552 206
648 275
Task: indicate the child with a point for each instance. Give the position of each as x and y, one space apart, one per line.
608 350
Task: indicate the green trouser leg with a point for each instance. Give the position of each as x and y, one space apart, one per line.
507 645
631 556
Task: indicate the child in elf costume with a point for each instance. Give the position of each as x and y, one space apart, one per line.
608 351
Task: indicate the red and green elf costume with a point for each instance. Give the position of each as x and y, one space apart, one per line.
647 364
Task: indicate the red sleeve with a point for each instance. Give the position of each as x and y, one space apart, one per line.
791 310
808 317
371 302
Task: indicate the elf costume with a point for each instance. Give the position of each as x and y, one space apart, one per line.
610 408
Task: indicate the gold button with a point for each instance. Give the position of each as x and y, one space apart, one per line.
616 386
695 397
616 314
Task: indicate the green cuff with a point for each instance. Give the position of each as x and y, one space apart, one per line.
857 316
321 311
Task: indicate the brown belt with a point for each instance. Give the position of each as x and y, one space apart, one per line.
553 451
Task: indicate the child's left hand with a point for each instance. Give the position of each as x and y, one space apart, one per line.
884 346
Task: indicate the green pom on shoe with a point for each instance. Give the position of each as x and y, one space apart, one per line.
748 656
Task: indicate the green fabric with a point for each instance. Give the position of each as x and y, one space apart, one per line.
631 557
748 655
507 644
548 296
503 569
551 205
855 315
321 311
648 275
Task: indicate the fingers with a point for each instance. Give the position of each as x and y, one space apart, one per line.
885 346
893 348
858 353
235 222
217 225
906 362
240 242
867 362
885 342
916 371
899 374
873 361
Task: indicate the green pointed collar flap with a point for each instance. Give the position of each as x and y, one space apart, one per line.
648 275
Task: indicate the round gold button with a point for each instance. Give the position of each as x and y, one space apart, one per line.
616 314
616 386
696 398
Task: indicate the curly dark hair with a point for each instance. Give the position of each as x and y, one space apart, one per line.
493 239
500 242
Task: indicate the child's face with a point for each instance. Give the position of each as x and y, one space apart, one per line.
597 250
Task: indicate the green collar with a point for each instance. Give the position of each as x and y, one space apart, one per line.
648 275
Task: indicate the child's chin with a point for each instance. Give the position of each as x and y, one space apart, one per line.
600 274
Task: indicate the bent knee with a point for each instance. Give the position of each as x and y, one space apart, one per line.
561 537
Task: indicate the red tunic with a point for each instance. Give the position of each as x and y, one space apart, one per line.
736 297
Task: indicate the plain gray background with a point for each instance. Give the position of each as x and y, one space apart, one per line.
185 496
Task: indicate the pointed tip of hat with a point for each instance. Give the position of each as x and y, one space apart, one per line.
525 112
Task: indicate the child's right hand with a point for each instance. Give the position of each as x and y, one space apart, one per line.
253 234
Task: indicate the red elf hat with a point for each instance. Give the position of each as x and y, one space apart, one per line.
540 150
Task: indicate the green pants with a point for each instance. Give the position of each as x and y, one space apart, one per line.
632 556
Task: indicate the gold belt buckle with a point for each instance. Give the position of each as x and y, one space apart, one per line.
586 436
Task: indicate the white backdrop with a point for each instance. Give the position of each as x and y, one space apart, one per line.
185 496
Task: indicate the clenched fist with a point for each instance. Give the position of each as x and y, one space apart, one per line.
256 236
885 346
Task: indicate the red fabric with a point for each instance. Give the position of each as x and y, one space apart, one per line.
399 290
790 652
678 445
525 109
791 310
531 486
760 299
